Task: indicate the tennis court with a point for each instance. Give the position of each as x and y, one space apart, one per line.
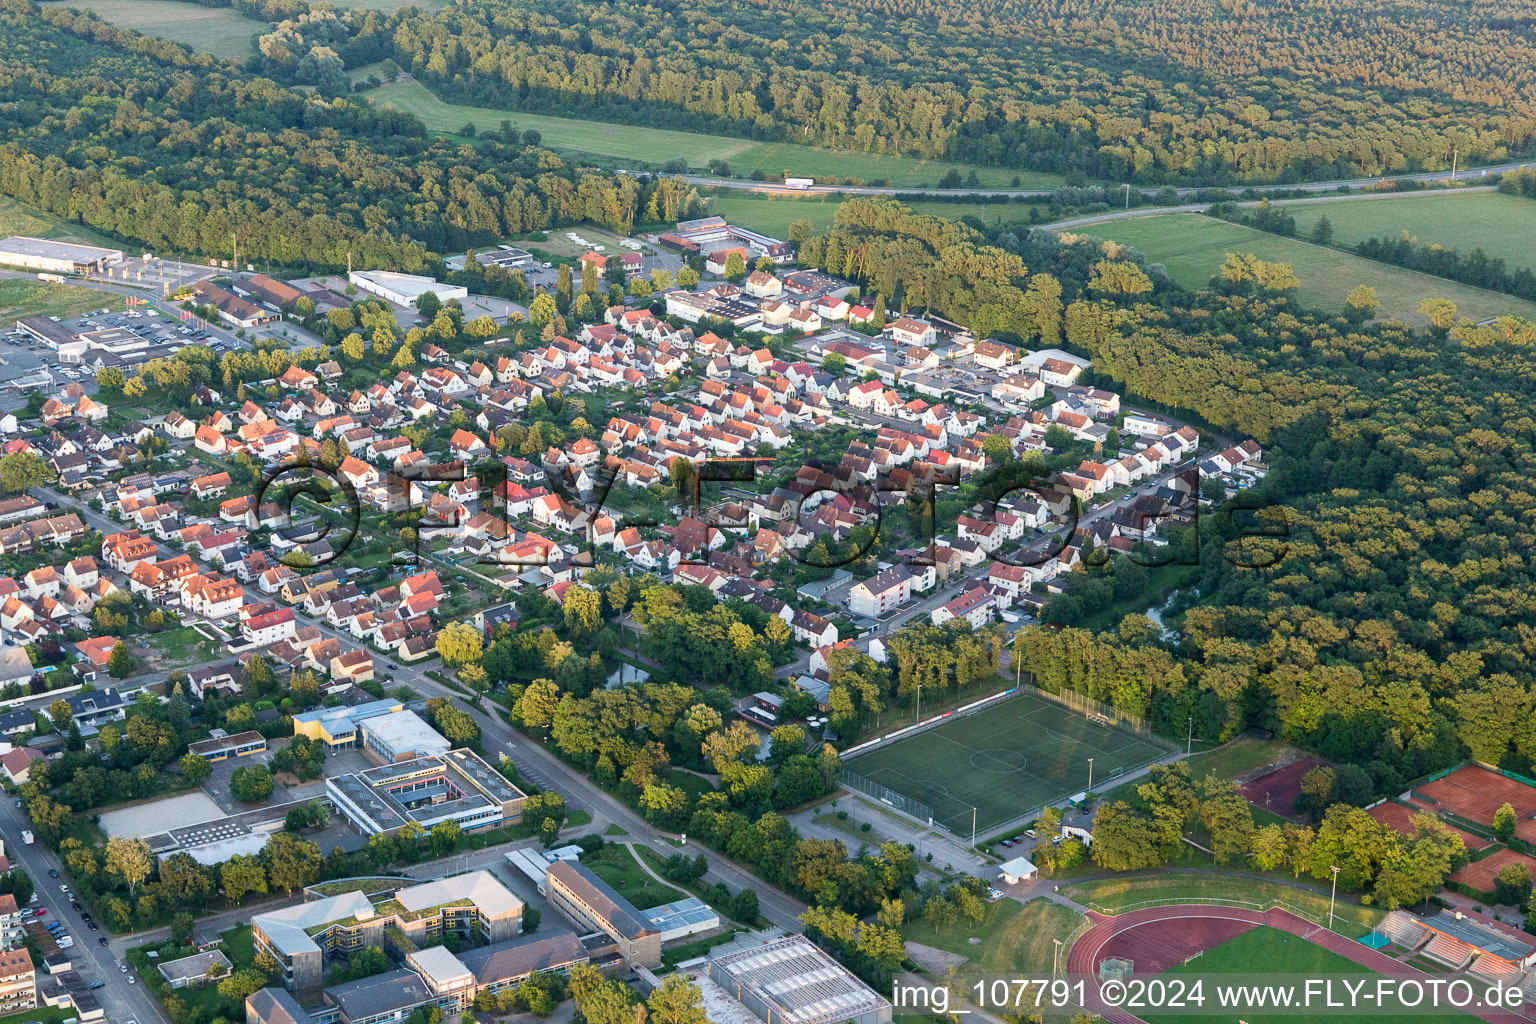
1475 793
1005 761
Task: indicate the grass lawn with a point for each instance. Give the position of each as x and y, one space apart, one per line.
1497 223
615 830
1192 247
616 865
773 215
1014 938
595 138
691 784
1113 894
42 1015
182 646
20 299
1271 951
221 31
20 219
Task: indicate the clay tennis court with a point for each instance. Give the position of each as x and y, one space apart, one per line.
1400 817
1475 793
1480 874
1277 791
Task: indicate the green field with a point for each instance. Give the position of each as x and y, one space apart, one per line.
1004 762
773 216
1192 247
1267 950
221 31
595 138
1015 939
20 219
1499 224
20 298
659 145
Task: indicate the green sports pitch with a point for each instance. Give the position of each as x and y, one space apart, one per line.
1005 761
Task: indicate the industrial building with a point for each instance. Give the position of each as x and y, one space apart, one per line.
56 257
305 938
791 980
456 786
404 289
502 256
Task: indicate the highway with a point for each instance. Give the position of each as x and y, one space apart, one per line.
776 188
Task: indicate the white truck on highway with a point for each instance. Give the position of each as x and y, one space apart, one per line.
799 182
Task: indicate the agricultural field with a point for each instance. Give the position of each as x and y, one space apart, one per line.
1497 223
773 216
221 31
21 298
592 138
1192 247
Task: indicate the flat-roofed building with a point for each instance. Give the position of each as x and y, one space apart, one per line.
305 938
389 739
791 980
404 289
337 728
457 786
57 257
592 905
220 748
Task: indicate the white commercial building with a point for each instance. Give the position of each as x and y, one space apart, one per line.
56 257
404 289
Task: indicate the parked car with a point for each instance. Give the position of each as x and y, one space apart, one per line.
40 911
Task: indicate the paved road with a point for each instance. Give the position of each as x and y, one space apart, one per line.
122 1001
882 190
533 759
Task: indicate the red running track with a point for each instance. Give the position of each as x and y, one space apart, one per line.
1089 950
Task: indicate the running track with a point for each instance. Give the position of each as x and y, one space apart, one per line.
1084 956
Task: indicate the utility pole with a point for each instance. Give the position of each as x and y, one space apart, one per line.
1055 957
1189 742
919 716
1455 155
1090 775
234 259
973 828
1127 188
1331 896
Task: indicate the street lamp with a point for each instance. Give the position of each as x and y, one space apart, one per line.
1090 775
1056 956
1331 896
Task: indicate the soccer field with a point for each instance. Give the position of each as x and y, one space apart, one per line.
1004 761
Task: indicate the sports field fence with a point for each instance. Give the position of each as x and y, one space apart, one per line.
1106 714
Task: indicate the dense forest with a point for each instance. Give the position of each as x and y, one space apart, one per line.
139 138
1140 91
